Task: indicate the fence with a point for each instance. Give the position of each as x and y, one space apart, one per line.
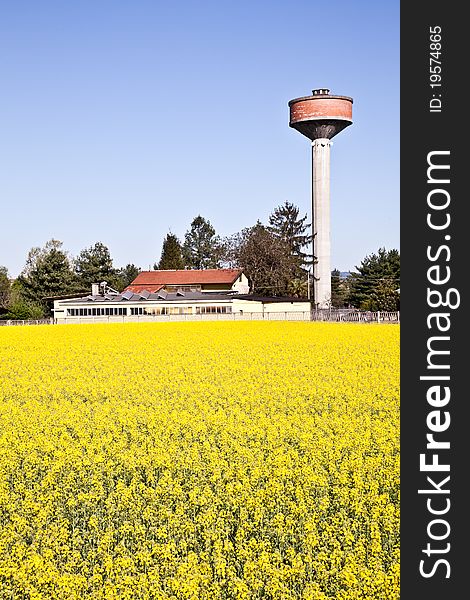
345 315
28 322
333 315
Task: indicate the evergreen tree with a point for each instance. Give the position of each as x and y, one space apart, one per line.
386 296
374 286
172 254
125 276
5 289
94 265
339 290
47 272
285 224
202 247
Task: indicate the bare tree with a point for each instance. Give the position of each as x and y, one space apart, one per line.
265 259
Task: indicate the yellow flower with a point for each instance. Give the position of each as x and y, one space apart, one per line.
200 461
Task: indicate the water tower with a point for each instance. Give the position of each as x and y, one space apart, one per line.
320 117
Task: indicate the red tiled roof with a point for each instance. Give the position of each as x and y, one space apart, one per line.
153 281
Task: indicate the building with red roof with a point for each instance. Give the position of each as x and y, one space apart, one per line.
182 294
191 280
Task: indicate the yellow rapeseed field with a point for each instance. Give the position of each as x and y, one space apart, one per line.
199 461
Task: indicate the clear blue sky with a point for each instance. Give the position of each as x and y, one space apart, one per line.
122 120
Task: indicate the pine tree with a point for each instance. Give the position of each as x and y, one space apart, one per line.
5 288
374 286
172 254
339 289
285 224
202 247
126 276
94 265
47 272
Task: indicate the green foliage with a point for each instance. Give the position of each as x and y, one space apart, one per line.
202 248
172 254
273 256
47 272
374 286
94 265
125 276
339 290
5 288
24 310
298 288
285 224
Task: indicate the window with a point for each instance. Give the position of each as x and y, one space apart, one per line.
204 310
157 310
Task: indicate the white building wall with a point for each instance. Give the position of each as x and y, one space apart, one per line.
239 307
287 307
252 306
241 285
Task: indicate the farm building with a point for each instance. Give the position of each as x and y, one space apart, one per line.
144 305
191 280
221 293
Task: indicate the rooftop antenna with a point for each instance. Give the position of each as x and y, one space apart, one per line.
107 289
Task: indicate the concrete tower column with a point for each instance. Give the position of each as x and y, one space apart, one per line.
321 222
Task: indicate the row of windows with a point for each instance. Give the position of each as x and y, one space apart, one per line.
142 310
161 310
97 312
202 310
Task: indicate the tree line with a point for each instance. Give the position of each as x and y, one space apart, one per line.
275 256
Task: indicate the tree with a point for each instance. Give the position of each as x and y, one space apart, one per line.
298 288
202 247
172 254
265 259
5 289
339 289
285 224
386 296
374 286
47 272
126 275
25 309
94 265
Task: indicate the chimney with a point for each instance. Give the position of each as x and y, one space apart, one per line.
95 289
